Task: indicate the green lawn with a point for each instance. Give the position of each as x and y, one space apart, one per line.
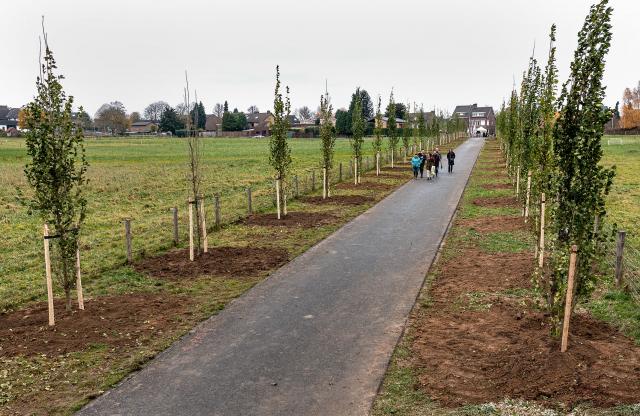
139 179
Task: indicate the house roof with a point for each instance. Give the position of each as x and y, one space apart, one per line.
212 122
386 119
8 113
472 108
142 123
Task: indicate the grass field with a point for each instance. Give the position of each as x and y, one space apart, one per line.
139 179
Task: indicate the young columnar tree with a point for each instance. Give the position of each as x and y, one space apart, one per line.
422 128
57 168
327 138
392 128
406 131
377 130
357 127
280 152
582 182
547 118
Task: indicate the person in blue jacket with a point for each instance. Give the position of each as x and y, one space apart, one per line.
416 160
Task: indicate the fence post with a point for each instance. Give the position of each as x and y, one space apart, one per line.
340 175
216 203
620 257
203 215
541 243
175 225
127 237
79 281
526 205
569 299
47 267
191 255
249 206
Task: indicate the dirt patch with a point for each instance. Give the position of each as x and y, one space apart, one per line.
118 321
372 186
338 200
292 219
219 261
491 186
397 175
496 202
476 270
493 224
506 352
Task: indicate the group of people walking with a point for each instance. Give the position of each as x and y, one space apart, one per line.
432 161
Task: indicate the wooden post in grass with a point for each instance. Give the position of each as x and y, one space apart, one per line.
278 198
541 241
47 268
203 216
340 172
377 163
296 186
569 299
283 191
526 204
127 237
518 181
355 171
249 205
216 208
313 180
191 254
175 226
79 282
324 183
620 257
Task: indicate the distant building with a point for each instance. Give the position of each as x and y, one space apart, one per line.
385 121
428 117
8 117
212 125
143 127
477 118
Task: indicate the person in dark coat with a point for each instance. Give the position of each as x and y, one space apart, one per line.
450 158
423 158
436 160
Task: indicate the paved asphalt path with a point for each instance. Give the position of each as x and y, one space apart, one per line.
316 337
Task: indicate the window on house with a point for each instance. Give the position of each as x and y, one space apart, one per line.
478 114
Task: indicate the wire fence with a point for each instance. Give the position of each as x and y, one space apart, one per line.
621 262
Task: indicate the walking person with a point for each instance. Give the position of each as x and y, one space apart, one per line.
429 164
450 159
423 159
415 165
436 160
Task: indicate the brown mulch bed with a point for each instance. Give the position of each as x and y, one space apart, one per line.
497 186
118 321
373 186
479 343
218 261
493 224
292 219
338 200
494 202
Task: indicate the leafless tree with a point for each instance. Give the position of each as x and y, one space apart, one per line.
218 110
154 110
194 144
253 109
304 113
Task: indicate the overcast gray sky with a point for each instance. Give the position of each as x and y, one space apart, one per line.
439 53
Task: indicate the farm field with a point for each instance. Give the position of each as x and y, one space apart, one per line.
139 179
477 341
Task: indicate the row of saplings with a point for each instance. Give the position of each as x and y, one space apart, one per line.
57 168
554 141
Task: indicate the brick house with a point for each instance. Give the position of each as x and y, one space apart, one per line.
477 118
143 126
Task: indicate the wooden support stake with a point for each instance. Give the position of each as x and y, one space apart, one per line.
79 282
313 180
378 164
191 253
541 241
216 208
518 181
47 268
296 186
526 205
620 257
324 183
569 299
340 172
203 216
127 237
283 191
249 204
355 171
175 226
278 197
